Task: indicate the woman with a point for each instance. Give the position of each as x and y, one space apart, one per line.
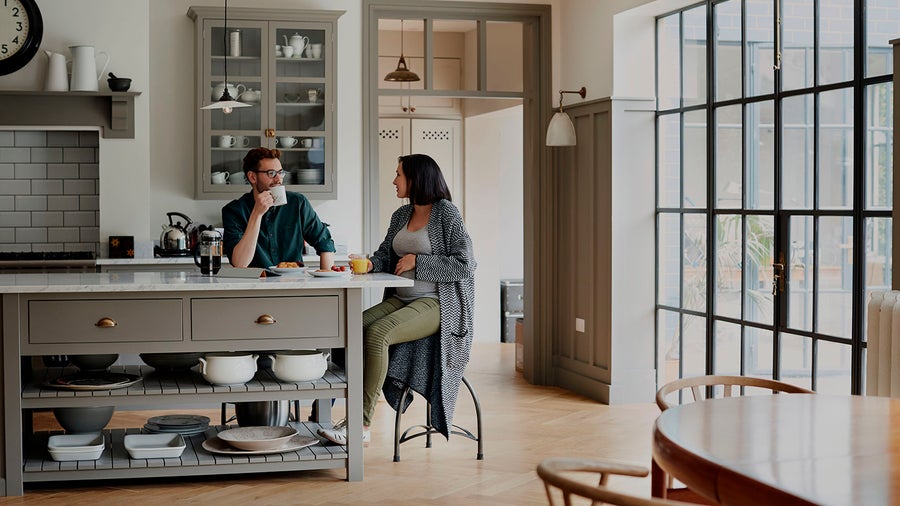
427 242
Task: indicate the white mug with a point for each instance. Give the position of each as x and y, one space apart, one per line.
286 142
307 142
226 141
280 195
242 141
220 177
313 94
316 50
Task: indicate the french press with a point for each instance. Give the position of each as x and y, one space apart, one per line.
208 253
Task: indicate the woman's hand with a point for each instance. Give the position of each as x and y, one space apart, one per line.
406 263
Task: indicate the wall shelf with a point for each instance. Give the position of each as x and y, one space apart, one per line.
112 111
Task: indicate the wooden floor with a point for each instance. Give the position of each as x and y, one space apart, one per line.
523 424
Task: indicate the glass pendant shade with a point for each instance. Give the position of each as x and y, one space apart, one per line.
561 131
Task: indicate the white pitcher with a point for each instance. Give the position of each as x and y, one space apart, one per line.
57 76
84 68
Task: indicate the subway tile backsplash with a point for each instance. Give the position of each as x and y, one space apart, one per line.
49 191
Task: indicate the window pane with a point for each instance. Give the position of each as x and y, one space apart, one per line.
729 155
668 69
669 165
797 44
669 347
800 274
728 50
758 353
882 20
728 349
835 179
695 159
796 360
833 368
669 261
694 262
760 155
835 41
693 355
879 152
835 271
729 246
760 47
758 271
504 53
878 255
695 56
797 162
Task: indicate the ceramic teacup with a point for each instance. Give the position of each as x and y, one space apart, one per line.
287 51
220 177
280 195
286 142
226 141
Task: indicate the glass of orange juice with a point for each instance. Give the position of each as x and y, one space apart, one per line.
359 264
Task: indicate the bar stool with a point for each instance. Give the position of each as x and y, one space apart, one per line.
428 429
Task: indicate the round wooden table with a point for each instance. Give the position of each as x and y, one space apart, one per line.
783 449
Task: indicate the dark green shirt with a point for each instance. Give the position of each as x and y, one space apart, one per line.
282 231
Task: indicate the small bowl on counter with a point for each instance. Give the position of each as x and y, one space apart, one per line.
154 446
67 447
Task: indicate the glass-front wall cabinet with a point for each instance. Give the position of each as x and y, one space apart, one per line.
284 72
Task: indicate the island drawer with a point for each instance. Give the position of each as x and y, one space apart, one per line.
104 321
266 317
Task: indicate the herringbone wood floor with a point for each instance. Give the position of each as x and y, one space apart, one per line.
523 424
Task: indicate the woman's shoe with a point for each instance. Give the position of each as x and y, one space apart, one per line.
338 434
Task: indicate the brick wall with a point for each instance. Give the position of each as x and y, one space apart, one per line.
49 191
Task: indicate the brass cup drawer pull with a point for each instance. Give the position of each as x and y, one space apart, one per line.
106 322
265 320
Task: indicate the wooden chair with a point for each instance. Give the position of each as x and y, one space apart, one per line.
708 387
555 474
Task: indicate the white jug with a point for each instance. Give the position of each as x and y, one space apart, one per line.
84 68
57 76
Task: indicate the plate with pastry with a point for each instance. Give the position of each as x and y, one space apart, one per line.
288 268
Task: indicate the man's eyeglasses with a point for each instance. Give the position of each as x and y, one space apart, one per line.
272 173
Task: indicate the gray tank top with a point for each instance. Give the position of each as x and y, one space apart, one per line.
406 242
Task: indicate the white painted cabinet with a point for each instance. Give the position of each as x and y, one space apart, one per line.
440 139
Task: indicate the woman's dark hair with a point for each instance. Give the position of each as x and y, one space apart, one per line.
251 160
424 179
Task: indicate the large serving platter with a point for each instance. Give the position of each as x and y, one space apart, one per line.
94 381
216 445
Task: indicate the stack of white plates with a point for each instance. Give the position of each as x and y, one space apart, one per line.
310 176
66 447
186 425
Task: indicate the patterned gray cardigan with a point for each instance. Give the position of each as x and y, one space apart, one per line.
434 366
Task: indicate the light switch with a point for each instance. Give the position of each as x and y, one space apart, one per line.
579 325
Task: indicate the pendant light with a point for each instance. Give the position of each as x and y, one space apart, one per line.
561 131
402 74
226 103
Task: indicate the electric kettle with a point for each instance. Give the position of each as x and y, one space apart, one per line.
174 240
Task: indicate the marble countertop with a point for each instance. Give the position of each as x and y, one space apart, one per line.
189 260
183 281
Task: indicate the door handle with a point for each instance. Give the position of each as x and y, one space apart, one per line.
778 276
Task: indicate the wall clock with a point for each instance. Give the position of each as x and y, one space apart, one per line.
21 30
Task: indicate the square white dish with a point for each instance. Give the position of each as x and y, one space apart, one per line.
154 446
66 447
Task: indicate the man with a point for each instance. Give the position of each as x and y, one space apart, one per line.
259 234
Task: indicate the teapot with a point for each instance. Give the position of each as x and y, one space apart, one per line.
174 239
234 91
298 42
250 95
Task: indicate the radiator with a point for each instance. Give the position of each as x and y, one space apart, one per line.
883 344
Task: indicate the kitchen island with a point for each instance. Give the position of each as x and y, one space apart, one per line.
168 312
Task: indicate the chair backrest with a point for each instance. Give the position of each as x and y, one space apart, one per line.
554 472
730 386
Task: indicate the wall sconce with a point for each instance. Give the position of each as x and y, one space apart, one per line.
561 131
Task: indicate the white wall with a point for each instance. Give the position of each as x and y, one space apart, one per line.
494 214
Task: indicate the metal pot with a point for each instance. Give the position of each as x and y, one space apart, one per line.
259 413
174 239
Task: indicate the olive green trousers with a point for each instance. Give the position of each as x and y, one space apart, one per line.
390 322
